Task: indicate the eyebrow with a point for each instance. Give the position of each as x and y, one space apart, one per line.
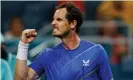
58 18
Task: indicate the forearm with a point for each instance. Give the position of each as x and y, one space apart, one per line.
21 70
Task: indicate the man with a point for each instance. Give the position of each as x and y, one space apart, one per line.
72 59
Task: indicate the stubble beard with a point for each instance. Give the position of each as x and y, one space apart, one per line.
62 35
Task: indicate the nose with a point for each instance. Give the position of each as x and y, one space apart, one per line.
53 22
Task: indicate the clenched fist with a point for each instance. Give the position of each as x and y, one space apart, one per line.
28 35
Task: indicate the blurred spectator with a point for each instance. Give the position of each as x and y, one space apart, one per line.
116 9
5 70
16 26
6 73
110 30
8 56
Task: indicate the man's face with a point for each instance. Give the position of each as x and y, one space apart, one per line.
61 26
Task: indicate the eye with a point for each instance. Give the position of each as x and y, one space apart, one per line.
59 19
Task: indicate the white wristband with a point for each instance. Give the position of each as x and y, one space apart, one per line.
22 51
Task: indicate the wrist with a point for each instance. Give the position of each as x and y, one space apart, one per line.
22 51
24 42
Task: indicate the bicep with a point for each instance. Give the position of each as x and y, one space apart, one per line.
32 75
37 66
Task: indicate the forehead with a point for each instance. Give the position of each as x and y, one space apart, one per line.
61 13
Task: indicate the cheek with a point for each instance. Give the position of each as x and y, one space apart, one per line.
64 27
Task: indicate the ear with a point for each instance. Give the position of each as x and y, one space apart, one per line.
73 24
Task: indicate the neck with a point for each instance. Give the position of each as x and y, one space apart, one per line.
71 41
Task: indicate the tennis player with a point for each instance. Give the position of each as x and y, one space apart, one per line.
72 59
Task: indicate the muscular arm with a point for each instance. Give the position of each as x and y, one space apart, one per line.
22 72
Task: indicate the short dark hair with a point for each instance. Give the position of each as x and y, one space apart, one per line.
73 13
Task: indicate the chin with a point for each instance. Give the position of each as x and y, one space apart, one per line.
57 35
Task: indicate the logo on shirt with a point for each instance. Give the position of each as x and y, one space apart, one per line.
86 63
